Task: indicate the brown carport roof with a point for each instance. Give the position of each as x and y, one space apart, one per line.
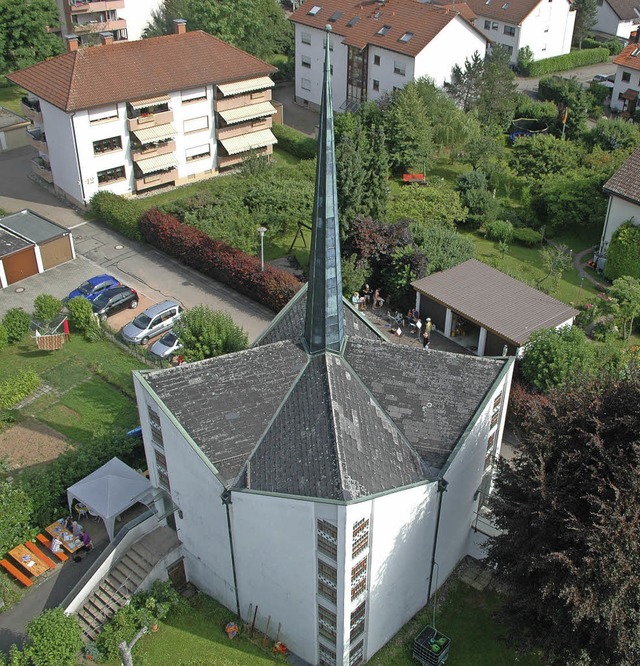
501 304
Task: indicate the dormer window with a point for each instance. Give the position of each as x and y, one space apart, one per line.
335 16
314 10
406 37
384 30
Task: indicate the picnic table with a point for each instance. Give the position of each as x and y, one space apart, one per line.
59 531
28 561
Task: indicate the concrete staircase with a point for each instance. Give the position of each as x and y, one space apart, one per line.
127 575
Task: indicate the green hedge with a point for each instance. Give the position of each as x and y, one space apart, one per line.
568 61
527 236
614 46
623 255
296 143
18 387
119 213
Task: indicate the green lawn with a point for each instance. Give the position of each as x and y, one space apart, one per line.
10 96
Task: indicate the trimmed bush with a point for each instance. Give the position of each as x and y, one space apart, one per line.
500 231
17 323
526 236
294 142
623 255
46 308
80 313
568 61
18 387
119 213
271 287
4 337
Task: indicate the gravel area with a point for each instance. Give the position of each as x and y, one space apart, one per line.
30 443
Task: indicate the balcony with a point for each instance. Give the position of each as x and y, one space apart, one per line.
42 168
81 7
155 179
150 120
152 150
99 26
31 109
38 140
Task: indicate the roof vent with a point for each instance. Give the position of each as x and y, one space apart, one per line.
314 10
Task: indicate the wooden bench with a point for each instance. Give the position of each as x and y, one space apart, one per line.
18 575
409 178
47 543
40 555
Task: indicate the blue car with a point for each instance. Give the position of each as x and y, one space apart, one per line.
94 286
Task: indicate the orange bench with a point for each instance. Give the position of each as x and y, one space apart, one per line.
40 555
47 542
414 178
18 575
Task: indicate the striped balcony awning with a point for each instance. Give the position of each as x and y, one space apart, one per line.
240 144
159 163
156 133
152 101
250 112
239 87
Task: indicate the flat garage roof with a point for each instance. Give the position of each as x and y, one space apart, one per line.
10 243
32 226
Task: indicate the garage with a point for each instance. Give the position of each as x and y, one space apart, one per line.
17 258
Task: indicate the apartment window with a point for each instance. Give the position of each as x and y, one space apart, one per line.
510 50
358 617
194 94
487 25
376 85
305 84
626 77
107 145
327 581
356 656
306 61
103 113
399 68
327 656
360 537
509 30
305 38
376 59
327 623
156 428
327 539
494 25
196 124
109 175
358 579
197 152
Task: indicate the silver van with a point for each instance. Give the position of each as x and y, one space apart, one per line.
153 321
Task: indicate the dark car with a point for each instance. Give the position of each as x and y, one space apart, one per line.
114 299
94 286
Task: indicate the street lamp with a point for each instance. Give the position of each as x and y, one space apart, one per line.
262 231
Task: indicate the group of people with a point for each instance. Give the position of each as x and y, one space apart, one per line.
77 530
413 318
366 297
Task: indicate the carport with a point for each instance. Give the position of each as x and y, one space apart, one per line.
486 311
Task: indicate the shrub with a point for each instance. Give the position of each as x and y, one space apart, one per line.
623 254
46 308
119 213
526 236
80 313
568 61
15 517
4 337
17 322
271 287
285 65
294 142
614 46
54 639
123 627
500 231
599 92
18 387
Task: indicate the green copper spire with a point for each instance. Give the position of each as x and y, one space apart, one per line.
324 325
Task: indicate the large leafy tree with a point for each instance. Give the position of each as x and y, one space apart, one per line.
24 39
427 204
442 246
465 86
569 508
535 156
625 292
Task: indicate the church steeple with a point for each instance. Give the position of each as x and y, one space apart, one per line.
324 325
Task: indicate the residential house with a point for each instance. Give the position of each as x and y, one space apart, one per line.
623 189
617 18
545 26
125 19
624 96
378 47
326 480
128 117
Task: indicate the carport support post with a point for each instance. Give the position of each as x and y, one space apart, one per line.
482 341
448 321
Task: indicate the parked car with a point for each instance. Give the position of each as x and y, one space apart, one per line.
154 320
166 346
94 286
112 300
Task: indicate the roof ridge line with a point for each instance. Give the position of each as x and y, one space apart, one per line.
334 424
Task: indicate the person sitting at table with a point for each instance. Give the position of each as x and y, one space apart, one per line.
87 545
77 528
56 545
68 523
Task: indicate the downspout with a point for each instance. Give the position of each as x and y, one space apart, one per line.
442 487
75 148
226 500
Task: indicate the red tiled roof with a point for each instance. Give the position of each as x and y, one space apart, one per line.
625 182
124 71
510 11
626 57
423 20
509 308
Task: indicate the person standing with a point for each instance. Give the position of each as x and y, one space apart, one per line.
426 336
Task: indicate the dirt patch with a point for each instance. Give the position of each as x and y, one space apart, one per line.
30 443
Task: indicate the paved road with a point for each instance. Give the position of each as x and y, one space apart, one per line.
583 74
102 250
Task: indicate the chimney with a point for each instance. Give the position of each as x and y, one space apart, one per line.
106 38
179 26
72 43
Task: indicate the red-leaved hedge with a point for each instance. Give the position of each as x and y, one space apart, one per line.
272 287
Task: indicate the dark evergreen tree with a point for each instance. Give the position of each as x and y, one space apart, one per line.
586 19
350 176
376 183
498 96
465 86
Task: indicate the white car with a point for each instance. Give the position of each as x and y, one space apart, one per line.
166 346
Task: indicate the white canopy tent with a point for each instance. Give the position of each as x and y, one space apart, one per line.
110 490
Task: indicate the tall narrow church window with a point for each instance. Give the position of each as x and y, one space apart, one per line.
360 537
358 579
327 581
327 539
356 656
358 618
327 656
156 428
327 623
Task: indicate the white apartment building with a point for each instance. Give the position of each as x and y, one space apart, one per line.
132 116
545 26
377 47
